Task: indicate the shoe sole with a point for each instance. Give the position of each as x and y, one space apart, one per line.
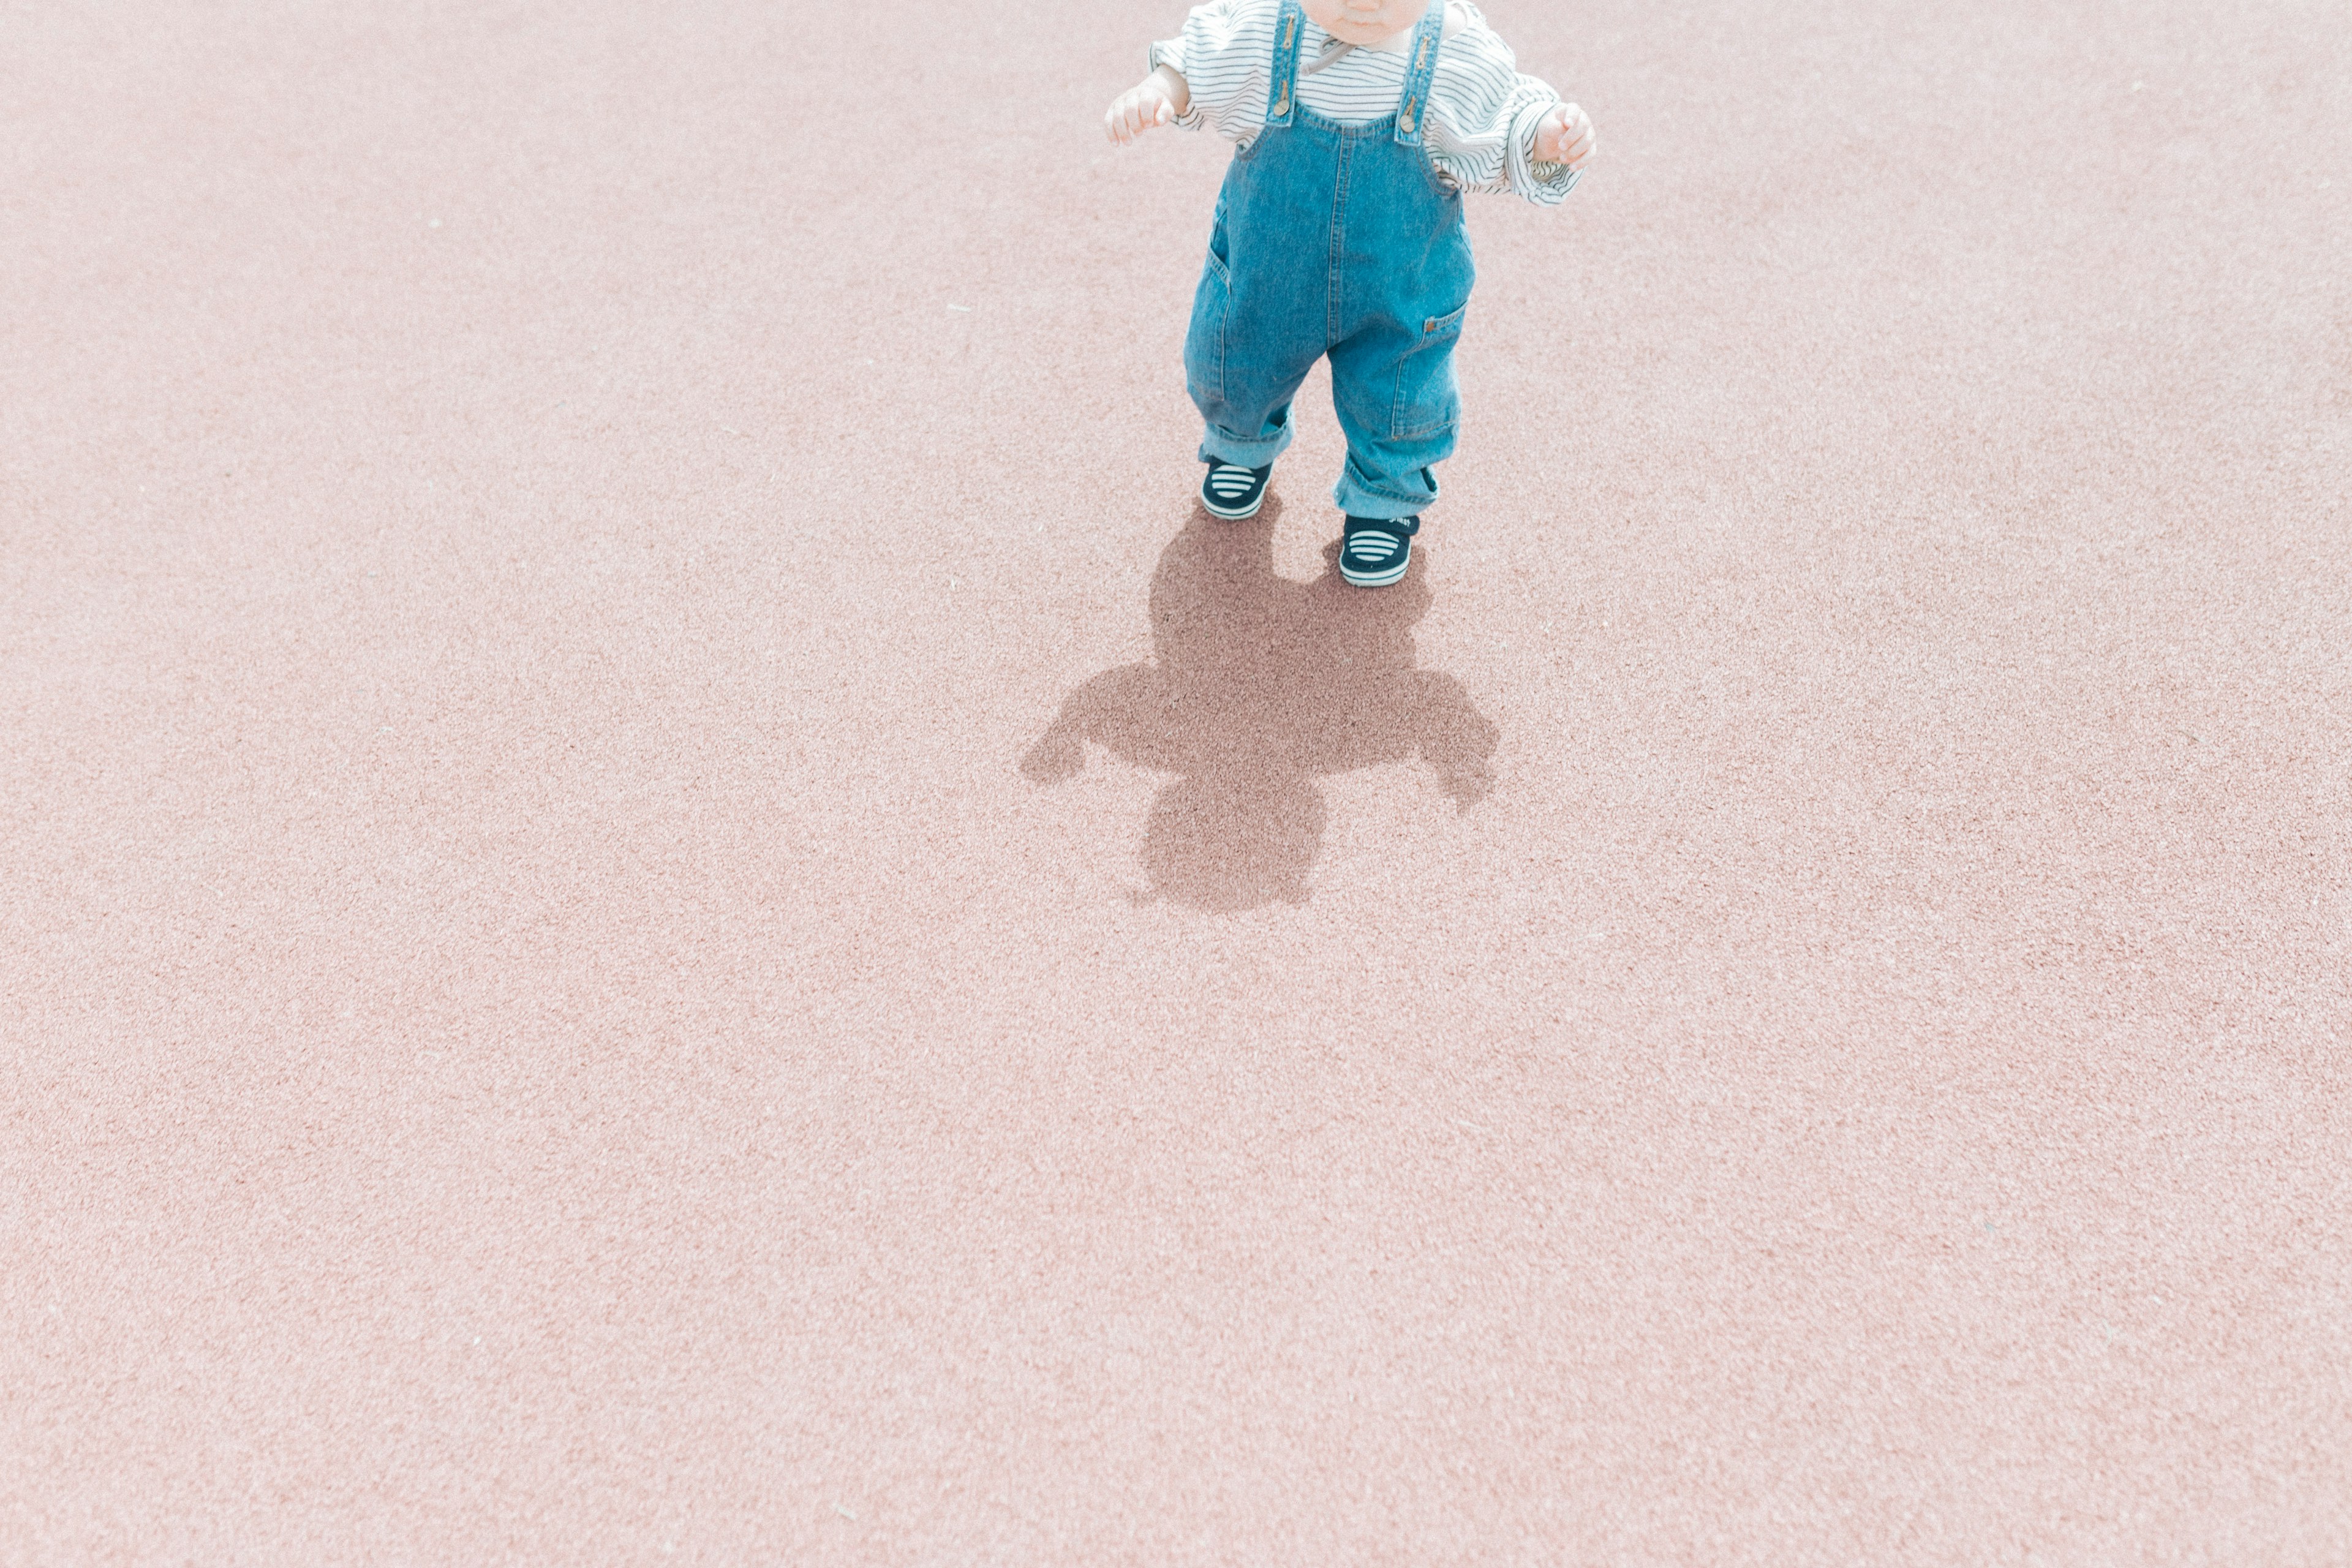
1380 579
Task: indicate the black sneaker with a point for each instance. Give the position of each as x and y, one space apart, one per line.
1377 550
1231 491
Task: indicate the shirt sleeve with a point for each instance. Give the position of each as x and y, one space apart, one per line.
1226 55
1482 133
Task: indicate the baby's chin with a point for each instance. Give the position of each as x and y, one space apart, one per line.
1360 33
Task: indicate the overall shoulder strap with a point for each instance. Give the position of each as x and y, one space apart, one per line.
1278 92
1428 38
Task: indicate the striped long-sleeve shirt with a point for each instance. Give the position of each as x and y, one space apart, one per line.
1482 116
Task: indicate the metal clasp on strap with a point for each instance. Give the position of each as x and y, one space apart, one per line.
1285 67
1430 36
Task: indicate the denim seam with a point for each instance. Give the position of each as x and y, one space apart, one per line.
1335 285
1224 323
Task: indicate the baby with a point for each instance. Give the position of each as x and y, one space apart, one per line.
1358 124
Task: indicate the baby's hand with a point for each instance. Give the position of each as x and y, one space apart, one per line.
1148 103
1565 136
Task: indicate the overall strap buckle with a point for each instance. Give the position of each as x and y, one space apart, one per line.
1280 92
1428 38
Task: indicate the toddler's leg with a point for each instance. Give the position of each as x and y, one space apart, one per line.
1244 355
1393 389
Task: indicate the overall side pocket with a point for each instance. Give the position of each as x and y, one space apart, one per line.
1204 339
1427 401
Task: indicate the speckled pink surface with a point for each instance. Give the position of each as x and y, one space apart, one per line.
660 901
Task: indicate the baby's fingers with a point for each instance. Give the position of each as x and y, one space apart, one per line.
1551 137
1134 116
1576 138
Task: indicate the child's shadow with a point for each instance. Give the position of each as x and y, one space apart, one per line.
1257 685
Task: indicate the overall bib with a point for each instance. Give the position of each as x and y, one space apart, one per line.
1339 240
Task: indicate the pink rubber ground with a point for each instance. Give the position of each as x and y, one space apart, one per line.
661 902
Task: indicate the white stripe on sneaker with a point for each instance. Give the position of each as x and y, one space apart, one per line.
1373 557
1231 492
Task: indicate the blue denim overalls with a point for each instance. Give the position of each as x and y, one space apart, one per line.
1339 240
